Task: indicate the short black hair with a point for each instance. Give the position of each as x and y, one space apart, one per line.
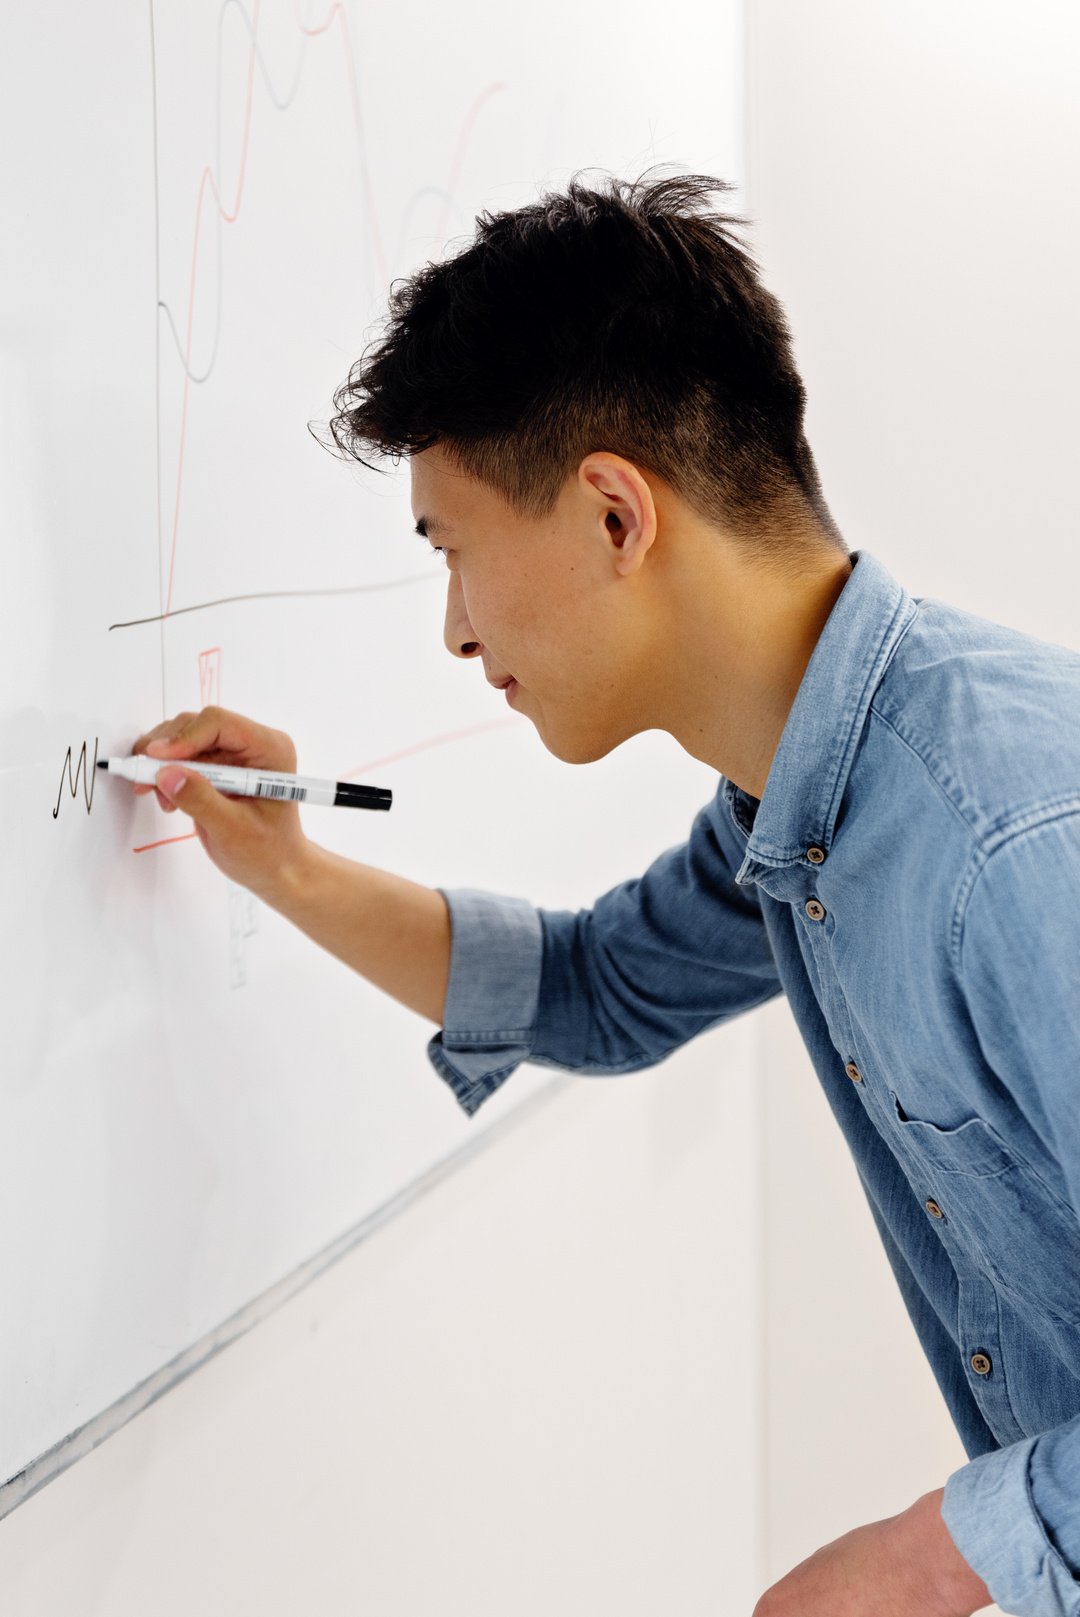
623 317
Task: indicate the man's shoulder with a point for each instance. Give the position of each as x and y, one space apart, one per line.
993 713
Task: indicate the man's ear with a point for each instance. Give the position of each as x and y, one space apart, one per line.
624 508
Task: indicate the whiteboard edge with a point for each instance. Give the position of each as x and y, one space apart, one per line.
49 1465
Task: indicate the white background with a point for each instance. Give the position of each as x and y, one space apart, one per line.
522 1395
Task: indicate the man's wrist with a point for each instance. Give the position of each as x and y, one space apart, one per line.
293 879
956 1586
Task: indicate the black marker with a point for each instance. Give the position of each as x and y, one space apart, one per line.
269 783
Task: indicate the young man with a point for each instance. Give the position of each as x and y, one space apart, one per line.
605 432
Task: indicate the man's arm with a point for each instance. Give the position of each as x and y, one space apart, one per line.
902 1566
609 989
393 931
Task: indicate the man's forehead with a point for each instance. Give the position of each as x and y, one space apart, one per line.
429 506
423 481
440 490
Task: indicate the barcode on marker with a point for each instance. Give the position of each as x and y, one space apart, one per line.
273 788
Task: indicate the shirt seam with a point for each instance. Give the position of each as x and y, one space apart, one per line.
654 1061
1023 824
642 1059
499 1035
936 783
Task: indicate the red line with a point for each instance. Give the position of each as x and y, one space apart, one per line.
145 845
229 218
207 178
459 151
336 10
432 741
373 212
207 669
210 675
378 763
321 27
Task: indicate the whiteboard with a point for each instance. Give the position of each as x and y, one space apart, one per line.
204 207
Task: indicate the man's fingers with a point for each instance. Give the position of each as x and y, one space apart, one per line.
213 729
189 733
194 794
168 727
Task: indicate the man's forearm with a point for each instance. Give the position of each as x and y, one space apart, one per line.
393 931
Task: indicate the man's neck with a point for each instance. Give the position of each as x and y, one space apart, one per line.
744 640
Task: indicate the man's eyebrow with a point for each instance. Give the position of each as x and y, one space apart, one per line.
426 525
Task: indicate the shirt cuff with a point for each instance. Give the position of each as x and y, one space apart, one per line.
989 1511
496 957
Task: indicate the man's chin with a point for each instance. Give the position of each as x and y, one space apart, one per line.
578 749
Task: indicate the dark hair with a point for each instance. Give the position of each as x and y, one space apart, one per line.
625 319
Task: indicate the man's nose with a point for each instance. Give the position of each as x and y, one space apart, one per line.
458 633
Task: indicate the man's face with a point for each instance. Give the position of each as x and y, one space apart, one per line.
550 602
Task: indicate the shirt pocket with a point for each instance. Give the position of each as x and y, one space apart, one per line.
998 1210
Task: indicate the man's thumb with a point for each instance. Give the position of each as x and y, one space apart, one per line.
191 792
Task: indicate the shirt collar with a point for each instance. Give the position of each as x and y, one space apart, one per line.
810 768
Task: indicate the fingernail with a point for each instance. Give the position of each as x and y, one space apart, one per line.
171 781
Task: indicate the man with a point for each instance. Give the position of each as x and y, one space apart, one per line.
605 432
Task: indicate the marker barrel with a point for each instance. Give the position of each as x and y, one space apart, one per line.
265 783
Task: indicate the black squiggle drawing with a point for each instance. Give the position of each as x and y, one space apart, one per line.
89 777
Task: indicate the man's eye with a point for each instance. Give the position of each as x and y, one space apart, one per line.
436 550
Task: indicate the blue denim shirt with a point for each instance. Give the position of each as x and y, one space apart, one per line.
910 879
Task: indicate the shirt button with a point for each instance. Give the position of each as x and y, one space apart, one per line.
980 1363
815 910
816 856
853 1073
933 1209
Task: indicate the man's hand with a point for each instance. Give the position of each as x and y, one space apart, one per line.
903 1566
256 842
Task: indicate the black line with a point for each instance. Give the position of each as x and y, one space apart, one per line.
89 777
266 595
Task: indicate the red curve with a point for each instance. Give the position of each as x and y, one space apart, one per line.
207 180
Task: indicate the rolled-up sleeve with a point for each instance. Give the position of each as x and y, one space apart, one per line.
490 1011
1014 1513
606 990
993 1519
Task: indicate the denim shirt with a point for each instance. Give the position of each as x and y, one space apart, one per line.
910 879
